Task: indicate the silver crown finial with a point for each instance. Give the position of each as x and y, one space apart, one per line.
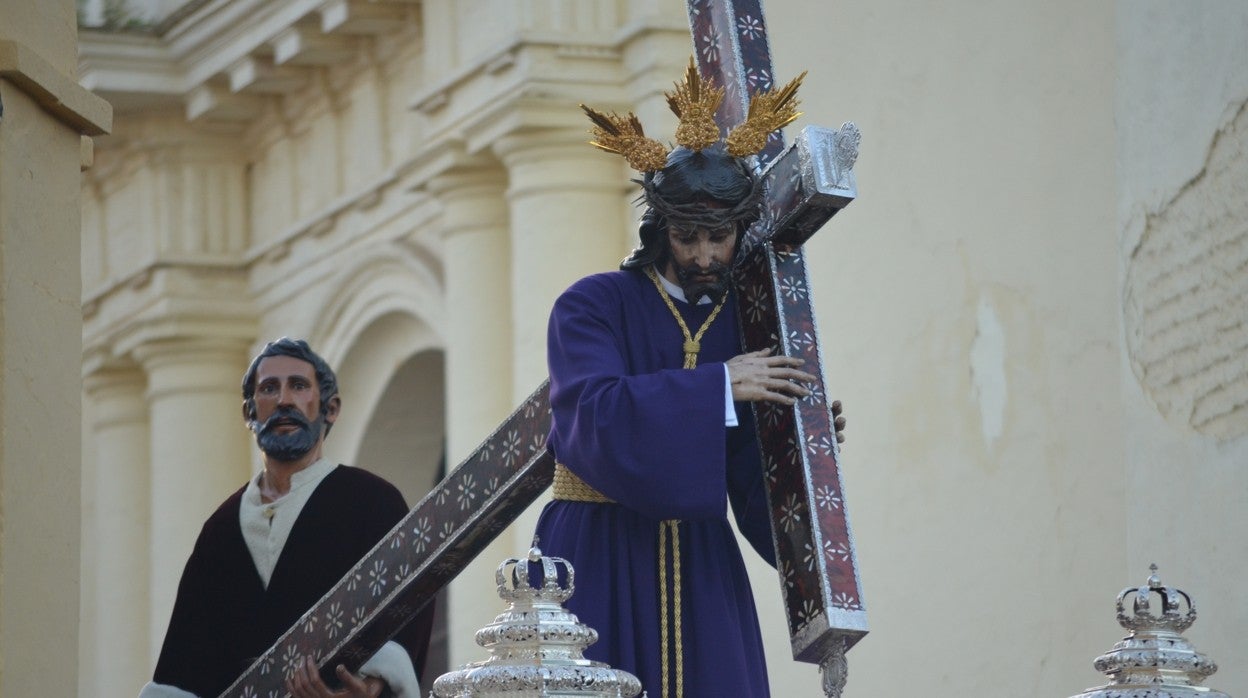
1154 659
536 646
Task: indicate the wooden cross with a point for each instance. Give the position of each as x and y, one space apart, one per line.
807 183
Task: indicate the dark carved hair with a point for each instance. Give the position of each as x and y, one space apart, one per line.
707 189
299 349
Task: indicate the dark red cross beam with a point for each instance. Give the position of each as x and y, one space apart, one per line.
807 183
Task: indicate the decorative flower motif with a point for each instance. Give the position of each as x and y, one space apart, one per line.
792 452
808 612
404 570
836 550
354 580
710 46
750 27
291 659
309 623
819 445
396 542
816 393
357 615
420 534
756 304
786 574
266 663
809 557
377 578
772 470
793 289
448 529
801 340
843 600
511 448
790 513
333 620
466 493
827 498
758 78
539 441
249 692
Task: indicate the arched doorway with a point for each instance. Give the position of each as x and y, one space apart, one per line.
393 423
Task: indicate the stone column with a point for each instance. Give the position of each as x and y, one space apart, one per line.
567 213
478 356
45 114
566 222
120 496
478 298
199 451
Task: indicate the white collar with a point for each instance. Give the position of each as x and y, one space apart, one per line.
267 525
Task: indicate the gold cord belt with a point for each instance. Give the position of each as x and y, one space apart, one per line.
568 487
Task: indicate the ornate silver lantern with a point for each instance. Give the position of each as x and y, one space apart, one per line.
536 646
1154 660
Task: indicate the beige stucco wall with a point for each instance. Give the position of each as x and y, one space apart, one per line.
969 300
1183 243
41 151
1010 466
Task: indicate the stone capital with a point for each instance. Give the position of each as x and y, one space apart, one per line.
57 93
118 392
192 364
559 160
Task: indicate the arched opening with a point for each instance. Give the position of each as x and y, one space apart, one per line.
404 440
405 443
393 423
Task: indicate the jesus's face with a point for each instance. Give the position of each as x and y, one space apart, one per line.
700 260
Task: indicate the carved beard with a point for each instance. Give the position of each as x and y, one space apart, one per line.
695 288
289 446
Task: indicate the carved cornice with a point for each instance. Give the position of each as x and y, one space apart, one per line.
219 57
168 301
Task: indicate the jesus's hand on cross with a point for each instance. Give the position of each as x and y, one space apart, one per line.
759 376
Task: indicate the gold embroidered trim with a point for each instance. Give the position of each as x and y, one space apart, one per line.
670 631
693 343
568 487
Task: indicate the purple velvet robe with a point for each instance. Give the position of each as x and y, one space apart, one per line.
634 425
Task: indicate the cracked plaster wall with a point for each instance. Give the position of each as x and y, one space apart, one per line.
1186 296
1182 142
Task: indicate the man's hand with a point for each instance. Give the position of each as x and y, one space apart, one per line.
307 683
760 376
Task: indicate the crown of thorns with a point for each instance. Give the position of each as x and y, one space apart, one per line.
694 102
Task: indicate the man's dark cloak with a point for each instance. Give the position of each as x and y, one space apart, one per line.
224 618
650 435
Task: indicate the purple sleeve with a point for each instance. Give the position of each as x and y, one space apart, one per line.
652 440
